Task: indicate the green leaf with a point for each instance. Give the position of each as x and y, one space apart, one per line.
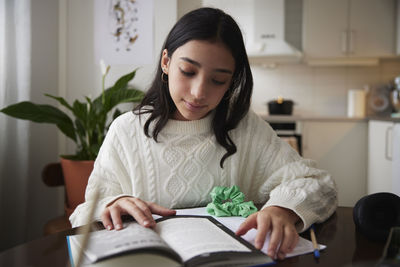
117 112
123 81
42 114
80 111
120 85
123 96
60 100
80 129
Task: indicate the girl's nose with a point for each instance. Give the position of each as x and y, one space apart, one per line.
198 89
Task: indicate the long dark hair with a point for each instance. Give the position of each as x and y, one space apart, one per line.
213 25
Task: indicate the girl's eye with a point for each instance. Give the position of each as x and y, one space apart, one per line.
218 82
187 73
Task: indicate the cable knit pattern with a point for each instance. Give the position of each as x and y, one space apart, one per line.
181 169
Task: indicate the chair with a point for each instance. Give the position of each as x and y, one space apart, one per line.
52 176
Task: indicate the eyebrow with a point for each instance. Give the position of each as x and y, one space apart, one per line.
191 61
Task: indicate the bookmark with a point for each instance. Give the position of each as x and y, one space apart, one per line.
85 229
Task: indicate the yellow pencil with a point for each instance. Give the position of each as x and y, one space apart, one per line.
314 241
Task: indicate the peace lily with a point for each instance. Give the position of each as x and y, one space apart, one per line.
90 120
104 71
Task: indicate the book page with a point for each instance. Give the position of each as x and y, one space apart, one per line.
190 237
104 243
303 246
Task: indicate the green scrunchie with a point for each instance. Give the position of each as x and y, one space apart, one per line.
229 202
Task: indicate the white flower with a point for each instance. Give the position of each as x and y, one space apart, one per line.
104 68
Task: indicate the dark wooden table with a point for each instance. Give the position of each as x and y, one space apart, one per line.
345 247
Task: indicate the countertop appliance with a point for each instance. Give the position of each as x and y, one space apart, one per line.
280 106
290 131
379 101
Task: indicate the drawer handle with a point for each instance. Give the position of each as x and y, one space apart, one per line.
344 42
389 136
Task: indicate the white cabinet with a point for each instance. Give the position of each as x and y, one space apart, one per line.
349 28
383 157
340 147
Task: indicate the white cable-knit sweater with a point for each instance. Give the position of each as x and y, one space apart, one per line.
181 168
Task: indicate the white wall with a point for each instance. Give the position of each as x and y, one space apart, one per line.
43 202
80 74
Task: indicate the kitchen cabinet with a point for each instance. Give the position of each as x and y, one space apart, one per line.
383 157
349 28
340 147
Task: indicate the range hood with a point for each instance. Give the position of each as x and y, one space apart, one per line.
277 31
272 29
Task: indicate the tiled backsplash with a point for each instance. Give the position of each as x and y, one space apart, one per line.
317 90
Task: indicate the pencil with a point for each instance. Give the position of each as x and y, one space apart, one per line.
314 241
85 229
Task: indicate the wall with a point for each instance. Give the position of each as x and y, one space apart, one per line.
79 73
44 202
317 90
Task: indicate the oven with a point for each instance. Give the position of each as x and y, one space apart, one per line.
288 130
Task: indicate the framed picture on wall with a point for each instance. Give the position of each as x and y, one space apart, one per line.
123 31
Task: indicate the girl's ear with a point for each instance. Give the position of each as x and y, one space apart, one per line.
165 61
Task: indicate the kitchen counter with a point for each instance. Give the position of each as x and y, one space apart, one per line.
291 118
374 118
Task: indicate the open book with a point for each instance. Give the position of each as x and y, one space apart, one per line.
188 240
304 246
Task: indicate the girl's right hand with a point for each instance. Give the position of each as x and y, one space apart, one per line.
140 210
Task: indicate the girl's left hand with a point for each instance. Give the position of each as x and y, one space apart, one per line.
281 222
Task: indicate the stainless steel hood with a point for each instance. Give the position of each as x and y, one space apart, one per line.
277 32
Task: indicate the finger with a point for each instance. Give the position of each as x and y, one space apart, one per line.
289 238
106 220
276 237
249 223
160 210
264 226
137 213
294 243
145 209
116 217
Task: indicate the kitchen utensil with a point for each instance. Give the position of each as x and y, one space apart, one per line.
280 107
395 96
379 101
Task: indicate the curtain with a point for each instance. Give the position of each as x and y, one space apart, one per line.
15 86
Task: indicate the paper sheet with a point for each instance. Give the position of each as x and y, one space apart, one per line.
304 246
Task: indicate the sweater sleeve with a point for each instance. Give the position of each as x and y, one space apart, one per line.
109 178
293 182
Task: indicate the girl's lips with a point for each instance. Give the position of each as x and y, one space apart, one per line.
194 106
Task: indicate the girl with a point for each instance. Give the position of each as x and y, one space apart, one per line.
193 131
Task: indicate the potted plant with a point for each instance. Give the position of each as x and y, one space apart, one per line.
87 128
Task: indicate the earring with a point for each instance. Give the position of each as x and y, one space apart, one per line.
164 77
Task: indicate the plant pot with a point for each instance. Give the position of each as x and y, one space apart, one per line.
76 176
